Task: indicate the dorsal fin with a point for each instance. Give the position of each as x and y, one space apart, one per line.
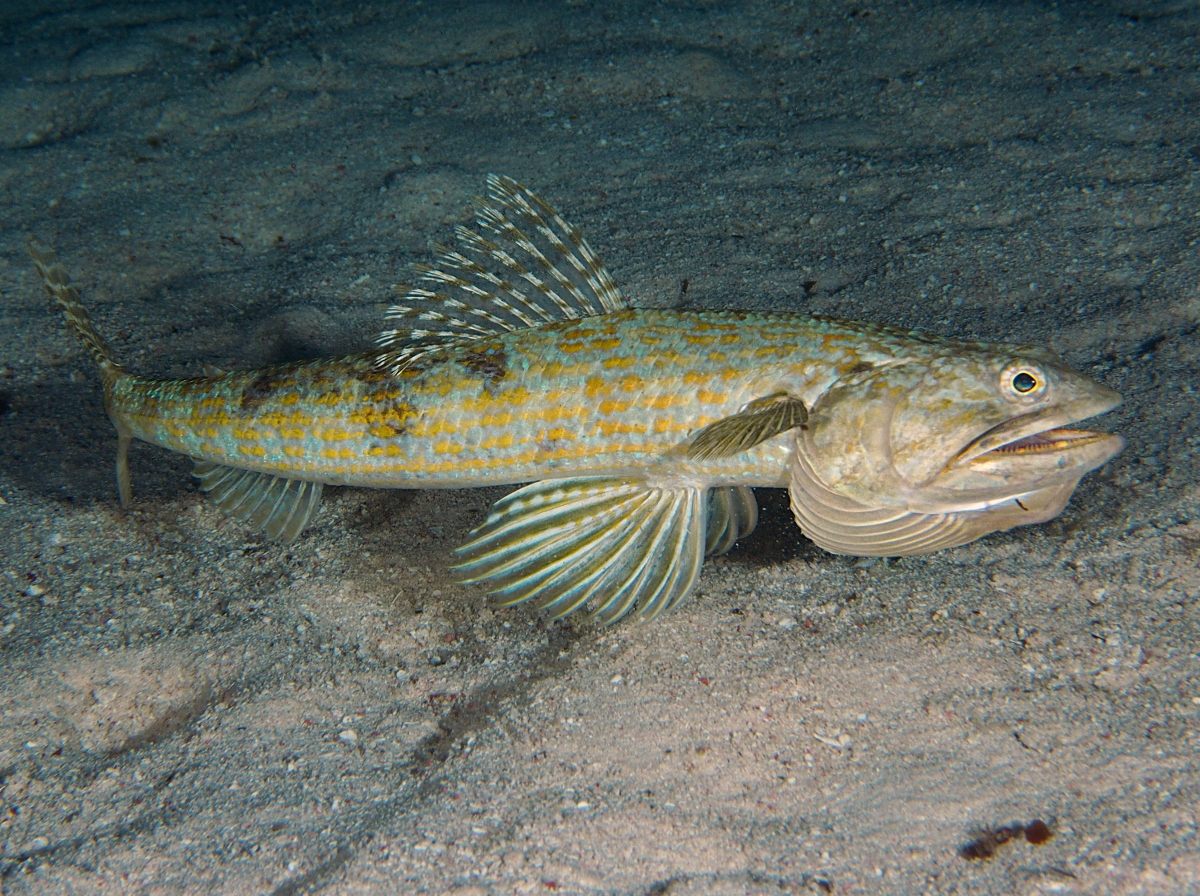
533 269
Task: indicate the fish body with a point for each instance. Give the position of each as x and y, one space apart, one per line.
518 360
604 395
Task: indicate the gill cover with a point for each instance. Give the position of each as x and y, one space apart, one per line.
912 458
844 492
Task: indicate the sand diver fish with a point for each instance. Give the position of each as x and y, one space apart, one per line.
517 359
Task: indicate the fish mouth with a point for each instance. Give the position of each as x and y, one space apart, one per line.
1040 433
1050 440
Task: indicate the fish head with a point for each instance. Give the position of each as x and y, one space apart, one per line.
978 436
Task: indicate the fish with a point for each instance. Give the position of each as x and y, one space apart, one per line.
637 435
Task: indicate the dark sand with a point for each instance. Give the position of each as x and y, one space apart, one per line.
186 709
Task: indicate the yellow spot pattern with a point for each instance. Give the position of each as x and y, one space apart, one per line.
568 395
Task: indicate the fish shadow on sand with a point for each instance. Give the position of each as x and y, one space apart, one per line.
57 443
776 540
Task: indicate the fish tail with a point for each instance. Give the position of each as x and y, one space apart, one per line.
66 298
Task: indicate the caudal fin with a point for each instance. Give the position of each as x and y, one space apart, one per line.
66 297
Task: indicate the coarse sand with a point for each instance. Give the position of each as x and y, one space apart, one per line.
185 708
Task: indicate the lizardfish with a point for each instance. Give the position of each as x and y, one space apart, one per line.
518 360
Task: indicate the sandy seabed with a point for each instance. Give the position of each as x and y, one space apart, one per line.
186 709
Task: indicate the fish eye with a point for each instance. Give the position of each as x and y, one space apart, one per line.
1025 382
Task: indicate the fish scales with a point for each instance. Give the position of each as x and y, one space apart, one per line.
585 397
642 432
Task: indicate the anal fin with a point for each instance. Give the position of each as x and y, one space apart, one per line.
732 515
612 543
278 507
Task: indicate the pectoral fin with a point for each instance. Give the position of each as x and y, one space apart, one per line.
616 544
842 525
758 421
280 508
732 515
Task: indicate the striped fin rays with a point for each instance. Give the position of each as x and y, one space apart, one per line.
611 544
278 507
618 544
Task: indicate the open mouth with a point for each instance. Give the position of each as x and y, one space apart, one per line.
1036 433
1050 440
